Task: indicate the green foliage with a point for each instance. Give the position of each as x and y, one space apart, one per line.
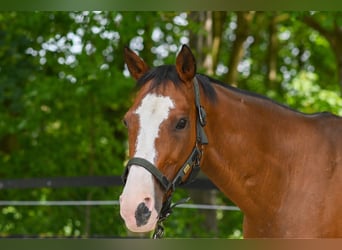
61 113
305 94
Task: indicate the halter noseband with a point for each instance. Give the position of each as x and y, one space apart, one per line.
191 164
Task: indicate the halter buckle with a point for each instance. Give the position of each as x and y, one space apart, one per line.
202 115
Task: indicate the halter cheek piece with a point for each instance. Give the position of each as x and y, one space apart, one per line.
191 164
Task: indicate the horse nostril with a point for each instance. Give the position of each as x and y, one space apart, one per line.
147 202
142 214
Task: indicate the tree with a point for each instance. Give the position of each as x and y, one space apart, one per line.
329 26
244 20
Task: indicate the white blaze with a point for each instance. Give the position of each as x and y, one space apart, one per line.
153 110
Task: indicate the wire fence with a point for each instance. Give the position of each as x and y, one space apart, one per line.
90 181
110 203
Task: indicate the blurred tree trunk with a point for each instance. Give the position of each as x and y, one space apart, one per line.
273 48
272 56
333 36
244 20
207 44
215 29
198 41
146 53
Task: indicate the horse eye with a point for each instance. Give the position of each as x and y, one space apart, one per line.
181 123
125 123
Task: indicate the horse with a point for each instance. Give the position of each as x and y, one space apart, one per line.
281 167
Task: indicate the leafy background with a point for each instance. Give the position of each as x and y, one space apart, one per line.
64 89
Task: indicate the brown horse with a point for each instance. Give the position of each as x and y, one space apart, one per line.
281 167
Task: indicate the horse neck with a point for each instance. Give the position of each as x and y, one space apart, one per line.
245 156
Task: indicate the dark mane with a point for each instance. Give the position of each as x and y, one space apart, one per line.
265 98
234 89
159 76
248 93
162 74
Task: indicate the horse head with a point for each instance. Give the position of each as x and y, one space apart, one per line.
163 136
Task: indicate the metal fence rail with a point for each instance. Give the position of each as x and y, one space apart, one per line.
85 181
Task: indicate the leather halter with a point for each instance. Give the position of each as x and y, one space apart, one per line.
192 164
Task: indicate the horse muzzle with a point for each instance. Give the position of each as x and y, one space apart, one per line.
139 217
138 202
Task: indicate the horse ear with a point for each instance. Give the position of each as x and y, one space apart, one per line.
136 66
186 64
